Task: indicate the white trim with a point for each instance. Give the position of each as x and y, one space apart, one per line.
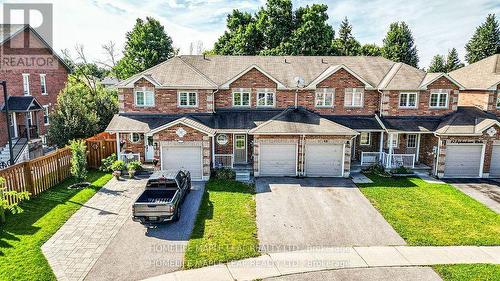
408 93
418 147
179 93
144 91
369 139
118 148
227 84
182 121
331 70
14 122
351 104
439 96
26 86
242 91
424 86
265 91
323 92
44 84
408 140
149 79
131 137
481 164
46 110
343 160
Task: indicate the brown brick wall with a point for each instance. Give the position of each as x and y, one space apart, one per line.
56 76
373 147
427 143
130 147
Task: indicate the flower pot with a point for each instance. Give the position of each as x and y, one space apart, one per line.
131 174
117 174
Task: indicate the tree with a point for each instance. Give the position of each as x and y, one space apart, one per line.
485 41
370 50
14 196
399 44
147 45
437 64
242 36
275 21
81 112
345 44
78 160
452 61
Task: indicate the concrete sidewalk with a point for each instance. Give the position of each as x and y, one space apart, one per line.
278 264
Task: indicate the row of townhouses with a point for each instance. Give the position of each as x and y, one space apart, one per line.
34 76
310 116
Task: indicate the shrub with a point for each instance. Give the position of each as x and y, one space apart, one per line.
401 170
377 169
224 174
118 165
4 203
107 162
78 159
134 166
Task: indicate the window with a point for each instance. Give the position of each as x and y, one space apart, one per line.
30 118
240 142
144 98
408 100
324 97
26 84
265 97
365 138
498 99
43 84
222 139
46 114
411 142
439 98
188 99
135 137
241 98
353 97
395 141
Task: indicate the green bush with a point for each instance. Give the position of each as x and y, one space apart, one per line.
107 162
377 169
118 165
78 159
134 166
4 202
401 170
224 174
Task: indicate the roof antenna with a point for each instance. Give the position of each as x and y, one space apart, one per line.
299 83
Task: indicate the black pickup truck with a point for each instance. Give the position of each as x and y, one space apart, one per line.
162 198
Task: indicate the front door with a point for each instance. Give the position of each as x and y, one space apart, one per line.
150 152
240 149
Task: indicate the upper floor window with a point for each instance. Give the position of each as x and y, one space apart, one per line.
439 98
241 97
46 114
43 84
144 98
324 97
188 99
26 84
353 97
265 97
408 100
365 138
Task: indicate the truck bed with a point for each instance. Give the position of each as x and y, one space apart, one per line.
157 196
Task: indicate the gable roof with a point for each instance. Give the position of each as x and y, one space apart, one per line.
279 85
187 121
481 75
299 121
431 77
467 121
402 77
22 104
331 70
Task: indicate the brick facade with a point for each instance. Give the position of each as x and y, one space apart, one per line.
127 146
27 44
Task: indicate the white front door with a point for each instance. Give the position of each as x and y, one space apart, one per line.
495 162
278 160
150 151
463 160
324 160
183 157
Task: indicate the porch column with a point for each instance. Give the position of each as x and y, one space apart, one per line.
381 148
418 147
213 151
391 150
26 116
36 124
118 152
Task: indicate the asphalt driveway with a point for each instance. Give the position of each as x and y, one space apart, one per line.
137 252
295 214
484 191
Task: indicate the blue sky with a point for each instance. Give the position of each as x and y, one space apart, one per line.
437 25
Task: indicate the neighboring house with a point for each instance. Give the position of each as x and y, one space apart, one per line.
34 75
110 82
253 114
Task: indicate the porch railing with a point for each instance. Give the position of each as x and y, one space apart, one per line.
223 161
129 157
32 130
387 160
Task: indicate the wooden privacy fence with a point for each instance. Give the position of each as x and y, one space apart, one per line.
99 147
39 174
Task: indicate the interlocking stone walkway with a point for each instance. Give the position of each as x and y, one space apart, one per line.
77 245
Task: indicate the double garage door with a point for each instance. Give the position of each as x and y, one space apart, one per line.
321 160
183 157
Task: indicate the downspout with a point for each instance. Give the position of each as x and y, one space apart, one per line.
302 156
213 99
381 101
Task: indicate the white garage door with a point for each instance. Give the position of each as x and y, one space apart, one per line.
183 157
324 160
278 160
463 160
495 162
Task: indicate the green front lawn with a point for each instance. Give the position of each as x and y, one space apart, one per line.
225 227
23 234
469 272
432 214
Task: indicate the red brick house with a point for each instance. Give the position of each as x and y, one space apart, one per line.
35 75
302 116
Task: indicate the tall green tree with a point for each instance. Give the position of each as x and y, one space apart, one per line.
437 64
275 21
453 61
485 41
346 44
242 37
370 50
399 44
147 45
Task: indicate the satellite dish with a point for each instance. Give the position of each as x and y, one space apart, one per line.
299 81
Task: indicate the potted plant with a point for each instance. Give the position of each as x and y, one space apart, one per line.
117 167
132 167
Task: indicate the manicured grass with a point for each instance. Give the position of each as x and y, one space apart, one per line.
432 214
469 272
225 227
23 234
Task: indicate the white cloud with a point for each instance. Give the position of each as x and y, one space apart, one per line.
437 25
